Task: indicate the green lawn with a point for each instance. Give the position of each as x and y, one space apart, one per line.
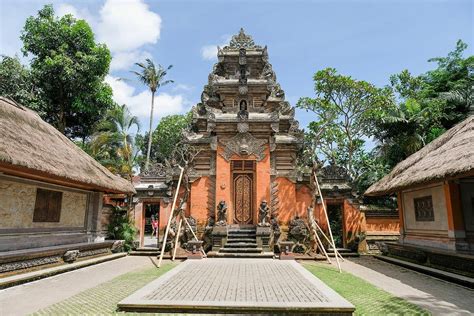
367 298
103 299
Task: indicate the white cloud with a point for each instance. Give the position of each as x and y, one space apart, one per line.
139 103
209 52
183 87
81 14
126 25
124 60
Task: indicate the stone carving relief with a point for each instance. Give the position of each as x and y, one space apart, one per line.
244 144
241 40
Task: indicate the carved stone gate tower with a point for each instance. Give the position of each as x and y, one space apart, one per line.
248 140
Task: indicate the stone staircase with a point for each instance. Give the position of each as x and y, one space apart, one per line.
241 243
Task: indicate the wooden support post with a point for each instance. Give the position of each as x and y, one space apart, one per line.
194 235
327 220
177 238
315 232
327 239
170 217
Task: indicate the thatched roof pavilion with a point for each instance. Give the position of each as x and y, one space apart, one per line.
450 156
31 148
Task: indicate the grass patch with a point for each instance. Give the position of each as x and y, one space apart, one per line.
367 298
103 299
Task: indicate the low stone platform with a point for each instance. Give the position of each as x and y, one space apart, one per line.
238 286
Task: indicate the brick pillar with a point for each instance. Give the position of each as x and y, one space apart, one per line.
456 228
401 216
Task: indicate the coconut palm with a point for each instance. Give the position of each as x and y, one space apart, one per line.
154 78
112 143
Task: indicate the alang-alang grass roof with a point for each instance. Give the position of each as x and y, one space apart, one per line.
449 156
31 148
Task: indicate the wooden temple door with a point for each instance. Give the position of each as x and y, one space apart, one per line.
243 187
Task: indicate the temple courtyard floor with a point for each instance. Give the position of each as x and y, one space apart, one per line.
372 286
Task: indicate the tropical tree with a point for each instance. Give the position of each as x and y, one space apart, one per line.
344 109
16 82
113 142
154 78
68 69
166 135
427 105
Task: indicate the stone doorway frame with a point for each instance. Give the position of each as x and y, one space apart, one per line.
143 219
341 204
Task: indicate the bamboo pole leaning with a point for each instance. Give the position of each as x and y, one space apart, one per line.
313 225
327 220
170 217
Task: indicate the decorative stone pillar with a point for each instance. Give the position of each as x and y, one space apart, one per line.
286 248
219 237
195 249
263 238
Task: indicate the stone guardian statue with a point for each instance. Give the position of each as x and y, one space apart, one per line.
263 212
221 213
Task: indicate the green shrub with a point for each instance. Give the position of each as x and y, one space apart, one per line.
122 227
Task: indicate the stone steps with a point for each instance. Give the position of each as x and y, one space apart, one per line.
237 236
240 255
240 250
241 240
240 245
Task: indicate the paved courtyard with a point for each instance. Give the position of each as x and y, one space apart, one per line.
96 290
252 285
438 296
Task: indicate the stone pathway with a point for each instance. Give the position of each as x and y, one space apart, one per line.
251 285
28 298
437 296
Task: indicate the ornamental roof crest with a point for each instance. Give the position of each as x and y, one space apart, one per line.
242 40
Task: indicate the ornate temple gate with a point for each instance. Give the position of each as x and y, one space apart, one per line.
243 179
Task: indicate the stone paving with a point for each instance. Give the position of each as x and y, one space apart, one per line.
250 285
28 298
438 296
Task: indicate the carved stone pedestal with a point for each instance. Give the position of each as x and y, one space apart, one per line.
263 238
219 237
286 250
195 249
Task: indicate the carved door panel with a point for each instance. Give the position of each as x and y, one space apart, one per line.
243 198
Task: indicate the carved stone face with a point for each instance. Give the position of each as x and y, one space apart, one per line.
264 203
222 203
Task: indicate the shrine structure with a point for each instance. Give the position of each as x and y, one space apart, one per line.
246 180
247 138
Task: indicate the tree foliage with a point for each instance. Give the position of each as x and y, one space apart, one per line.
154 78
166 137
113 142
427 105
68 69
344 109
16 82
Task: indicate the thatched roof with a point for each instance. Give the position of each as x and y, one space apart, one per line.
31 148
449 156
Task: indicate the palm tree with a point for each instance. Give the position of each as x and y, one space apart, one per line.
153 77
112 143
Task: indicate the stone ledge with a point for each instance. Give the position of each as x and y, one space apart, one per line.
15 255
440 274
41 274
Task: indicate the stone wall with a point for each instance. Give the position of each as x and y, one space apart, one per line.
439 226
17 204
79 219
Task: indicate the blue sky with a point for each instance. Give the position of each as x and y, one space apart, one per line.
367 40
